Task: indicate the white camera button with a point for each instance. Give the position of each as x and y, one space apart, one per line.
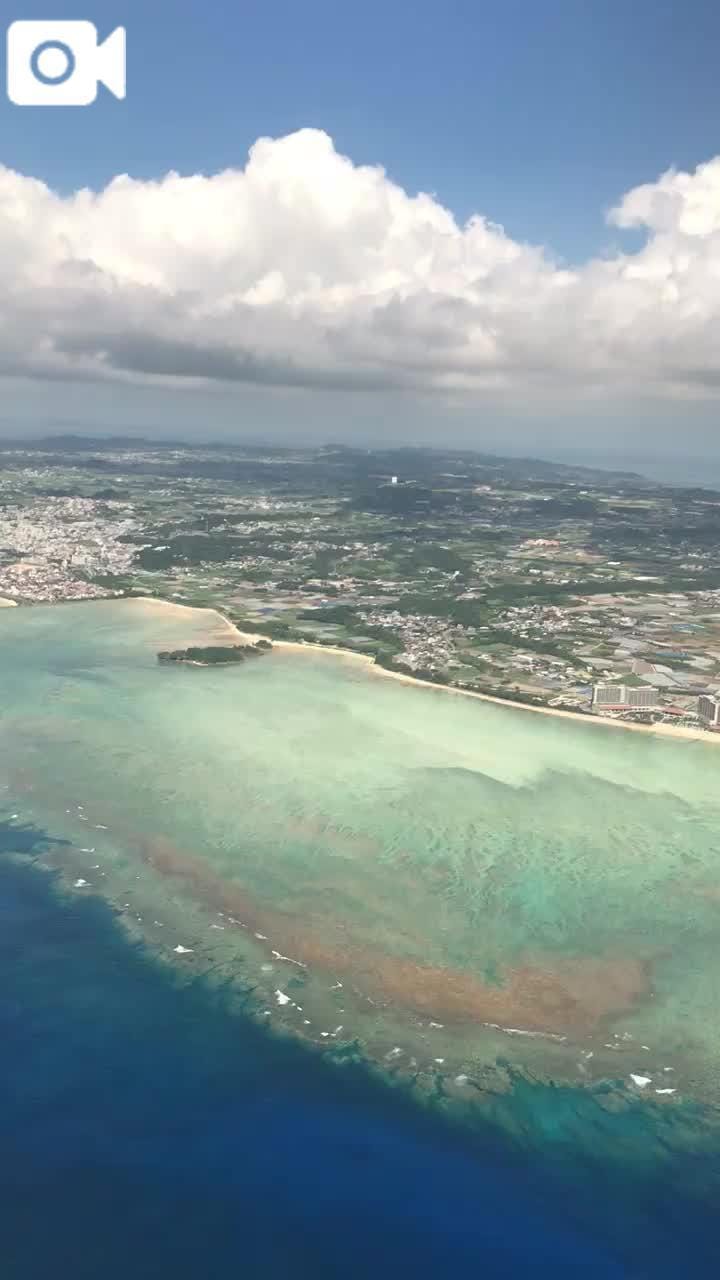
60 64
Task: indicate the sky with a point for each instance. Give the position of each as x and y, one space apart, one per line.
491 223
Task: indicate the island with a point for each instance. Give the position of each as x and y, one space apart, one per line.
216 655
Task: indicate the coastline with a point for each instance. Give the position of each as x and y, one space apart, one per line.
676 732
7 604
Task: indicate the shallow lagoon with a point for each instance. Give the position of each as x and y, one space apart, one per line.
436 882
445 861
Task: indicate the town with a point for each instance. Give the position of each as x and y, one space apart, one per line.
593 591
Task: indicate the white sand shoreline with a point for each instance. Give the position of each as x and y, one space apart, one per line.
677 732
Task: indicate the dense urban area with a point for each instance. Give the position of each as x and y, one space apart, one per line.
561 586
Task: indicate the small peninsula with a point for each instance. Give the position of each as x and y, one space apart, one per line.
216 655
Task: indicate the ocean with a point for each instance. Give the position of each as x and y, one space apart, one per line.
305 972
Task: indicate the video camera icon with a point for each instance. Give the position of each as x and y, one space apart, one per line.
60 64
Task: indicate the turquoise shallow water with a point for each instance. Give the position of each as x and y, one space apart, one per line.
376 872
436 881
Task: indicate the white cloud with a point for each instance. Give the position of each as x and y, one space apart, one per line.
306 270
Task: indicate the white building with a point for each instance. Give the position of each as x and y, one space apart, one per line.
609 695
642 697
709 710
618 697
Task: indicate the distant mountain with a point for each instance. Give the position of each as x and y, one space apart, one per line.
449 468
72 442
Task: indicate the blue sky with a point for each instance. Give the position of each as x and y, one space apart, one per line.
540 115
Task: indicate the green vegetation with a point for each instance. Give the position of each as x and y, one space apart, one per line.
216 655
472 570
276 630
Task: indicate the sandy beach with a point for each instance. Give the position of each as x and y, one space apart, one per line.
7 604
220 629
678 732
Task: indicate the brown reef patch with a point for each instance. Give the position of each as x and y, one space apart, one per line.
564 996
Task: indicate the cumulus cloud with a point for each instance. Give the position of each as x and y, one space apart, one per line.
305 270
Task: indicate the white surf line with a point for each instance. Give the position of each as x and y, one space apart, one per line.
279 956
518 1031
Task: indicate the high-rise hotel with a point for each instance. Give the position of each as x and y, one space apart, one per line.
709 710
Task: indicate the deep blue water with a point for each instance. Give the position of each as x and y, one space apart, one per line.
145 1130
